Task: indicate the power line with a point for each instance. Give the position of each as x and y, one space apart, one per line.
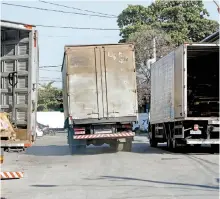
53 66
68 36
50 70
50 80
74 8
76 28
51 77
53 10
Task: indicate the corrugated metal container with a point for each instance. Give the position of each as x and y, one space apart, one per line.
169 81
20 53
99 83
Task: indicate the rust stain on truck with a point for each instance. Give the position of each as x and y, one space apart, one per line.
100 81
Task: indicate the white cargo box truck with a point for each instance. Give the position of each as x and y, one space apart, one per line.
185 97
19 81
100 94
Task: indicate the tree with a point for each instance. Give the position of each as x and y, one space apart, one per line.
48 97
182 20
143 40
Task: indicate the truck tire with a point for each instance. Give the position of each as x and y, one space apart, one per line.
113 144
169 144
215 148
120 146
153 143
127 145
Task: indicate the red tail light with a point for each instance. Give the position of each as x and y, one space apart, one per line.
126 126
79 131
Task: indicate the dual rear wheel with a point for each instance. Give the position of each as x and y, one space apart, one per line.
122 146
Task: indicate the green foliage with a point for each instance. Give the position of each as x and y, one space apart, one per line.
182 20
143 40
48 98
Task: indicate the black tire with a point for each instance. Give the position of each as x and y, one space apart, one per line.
175 147
113 145
215 148
120 146
80 147
127 146
153 143
169 144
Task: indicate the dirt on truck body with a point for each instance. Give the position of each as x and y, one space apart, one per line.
99 93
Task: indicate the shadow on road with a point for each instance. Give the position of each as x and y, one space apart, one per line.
44 186
116 178
143 148
59 150
139 147
50 150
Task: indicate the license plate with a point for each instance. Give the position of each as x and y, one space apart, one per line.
103 131
195 132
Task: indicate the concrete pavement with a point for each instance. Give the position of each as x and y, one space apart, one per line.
52 173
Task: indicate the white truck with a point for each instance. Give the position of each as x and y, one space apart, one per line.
185 97
100 95
19 82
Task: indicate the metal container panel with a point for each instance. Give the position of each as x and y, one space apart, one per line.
179 79
81 82
162 90
101 81
20 53
169 85
120 73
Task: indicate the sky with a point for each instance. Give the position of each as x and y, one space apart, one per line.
53 40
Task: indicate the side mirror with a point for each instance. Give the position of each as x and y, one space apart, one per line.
61 108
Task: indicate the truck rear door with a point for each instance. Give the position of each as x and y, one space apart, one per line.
120 81
101 81
82 85
179 87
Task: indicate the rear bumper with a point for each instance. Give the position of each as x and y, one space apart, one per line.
104 136
15 144
202 141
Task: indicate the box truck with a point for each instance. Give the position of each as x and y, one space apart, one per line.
19 84
100 95
185 97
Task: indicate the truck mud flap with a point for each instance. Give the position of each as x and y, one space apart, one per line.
104 136
75 146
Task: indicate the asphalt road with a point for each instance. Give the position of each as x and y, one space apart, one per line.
52 173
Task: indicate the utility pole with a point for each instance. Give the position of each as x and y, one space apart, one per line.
154 50
151 61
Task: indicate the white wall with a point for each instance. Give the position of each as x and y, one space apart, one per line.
142 122
53 119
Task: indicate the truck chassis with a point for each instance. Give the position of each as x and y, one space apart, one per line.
119 137
182 133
